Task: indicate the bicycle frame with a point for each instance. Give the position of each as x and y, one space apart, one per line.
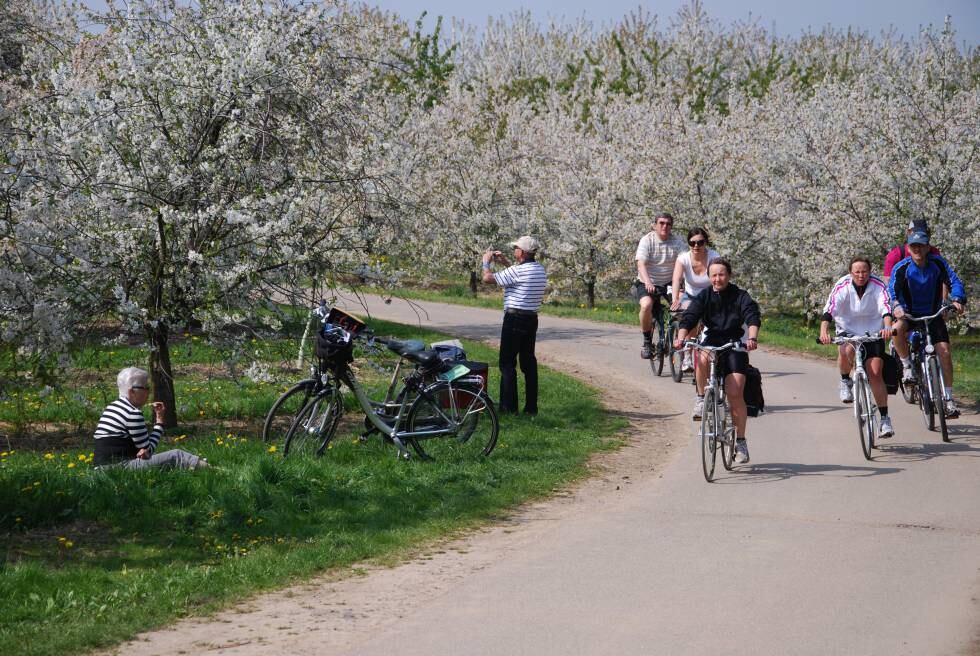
865 406
394 430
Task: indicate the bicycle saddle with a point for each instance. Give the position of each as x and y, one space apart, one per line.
404 347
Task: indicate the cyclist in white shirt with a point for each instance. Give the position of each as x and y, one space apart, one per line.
691 268
859 304
655 257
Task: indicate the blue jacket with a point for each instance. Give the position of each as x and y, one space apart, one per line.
919 290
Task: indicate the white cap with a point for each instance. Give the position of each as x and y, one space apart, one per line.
527 243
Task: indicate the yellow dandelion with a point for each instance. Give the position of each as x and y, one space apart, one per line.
82 457
18 520
49 456
71 465
62 539
69 544
272 449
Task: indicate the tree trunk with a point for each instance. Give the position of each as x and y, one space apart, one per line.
162 373
474 283
590 294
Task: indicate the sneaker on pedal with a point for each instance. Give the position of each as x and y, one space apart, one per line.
688 364
908 376
646 352
952 412
741 452
886 428
846 391
698 409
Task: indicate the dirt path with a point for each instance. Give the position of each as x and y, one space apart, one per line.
810 549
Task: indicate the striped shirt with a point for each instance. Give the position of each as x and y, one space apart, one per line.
858 315
121 433
658 257
523 286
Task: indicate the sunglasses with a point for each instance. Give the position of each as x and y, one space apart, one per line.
139 387
697 242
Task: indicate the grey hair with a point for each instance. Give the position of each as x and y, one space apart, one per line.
128 376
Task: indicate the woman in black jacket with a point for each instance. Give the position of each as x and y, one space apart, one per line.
723 309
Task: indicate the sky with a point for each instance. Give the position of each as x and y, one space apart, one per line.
786 17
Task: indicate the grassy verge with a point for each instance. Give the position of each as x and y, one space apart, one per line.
90 558
785 331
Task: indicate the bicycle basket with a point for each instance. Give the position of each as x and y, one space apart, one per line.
334 349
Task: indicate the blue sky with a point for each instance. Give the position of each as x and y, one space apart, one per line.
787 17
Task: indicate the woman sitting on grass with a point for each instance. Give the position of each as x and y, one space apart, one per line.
121 437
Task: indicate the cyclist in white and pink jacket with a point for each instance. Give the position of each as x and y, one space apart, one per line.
859 305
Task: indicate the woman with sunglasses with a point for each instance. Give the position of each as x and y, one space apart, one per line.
691 268
121 438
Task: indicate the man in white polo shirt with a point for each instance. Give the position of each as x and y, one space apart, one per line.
524 284
655 257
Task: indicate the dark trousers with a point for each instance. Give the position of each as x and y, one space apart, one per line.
517 340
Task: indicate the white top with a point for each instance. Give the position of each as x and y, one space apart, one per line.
854 315
659 256
694 283
523 285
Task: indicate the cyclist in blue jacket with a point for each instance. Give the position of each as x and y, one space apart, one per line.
916 287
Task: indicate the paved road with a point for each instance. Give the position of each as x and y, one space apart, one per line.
810 549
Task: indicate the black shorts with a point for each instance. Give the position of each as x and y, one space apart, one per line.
639 291
731 362
937 328
875 349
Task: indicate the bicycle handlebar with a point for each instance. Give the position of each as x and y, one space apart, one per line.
851 339
735 345
944 308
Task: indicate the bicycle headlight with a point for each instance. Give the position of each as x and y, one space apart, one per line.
930 349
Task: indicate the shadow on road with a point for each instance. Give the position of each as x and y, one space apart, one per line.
817 409
891 452
639 415
771 472
779 374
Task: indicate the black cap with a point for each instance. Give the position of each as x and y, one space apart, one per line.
919 237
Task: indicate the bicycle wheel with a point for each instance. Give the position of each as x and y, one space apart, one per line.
924 395
864 412
676 355
284 410
727 438
657 358
709 427
938 398
444 405
907 390
315 424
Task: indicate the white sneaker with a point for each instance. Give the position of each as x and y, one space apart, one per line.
886 428
698 409
908 376
741 452
688 364
846 393
952 412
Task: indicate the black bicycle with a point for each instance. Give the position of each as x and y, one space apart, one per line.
440 409
928 387
665 325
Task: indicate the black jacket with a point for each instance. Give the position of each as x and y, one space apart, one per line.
722 313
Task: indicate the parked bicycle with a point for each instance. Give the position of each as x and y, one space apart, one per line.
929 386
865 409
440 409
717 427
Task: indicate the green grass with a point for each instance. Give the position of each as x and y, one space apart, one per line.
90 558
785 331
